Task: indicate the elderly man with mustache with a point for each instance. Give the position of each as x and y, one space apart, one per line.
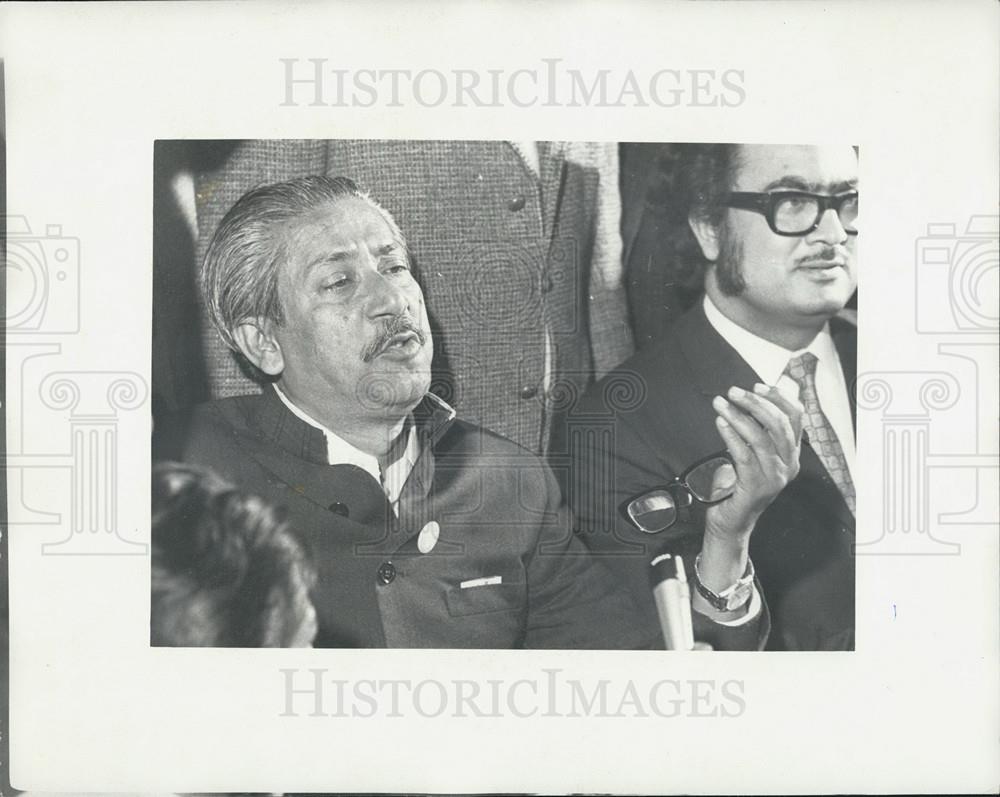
426 531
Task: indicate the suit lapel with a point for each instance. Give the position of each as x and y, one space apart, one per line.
814 480
552 173
845 339
295 454
717 366
630 229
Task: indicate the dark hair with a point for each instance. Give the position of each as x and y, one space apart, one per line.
692 180
240 272
226 572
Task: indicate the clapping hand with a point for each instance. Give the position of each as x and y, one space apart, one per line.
762 431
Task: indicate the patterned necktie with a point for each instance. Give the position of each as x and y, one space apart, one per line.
823 439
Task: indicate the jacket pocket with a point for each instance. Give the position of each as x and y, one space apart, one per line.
486 598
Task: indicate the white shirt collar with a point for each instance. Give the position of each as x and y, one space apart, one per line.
766 358
340 452
770 360
528 150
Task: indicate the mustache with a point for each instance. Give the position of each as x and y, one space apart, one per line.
828 254
397 325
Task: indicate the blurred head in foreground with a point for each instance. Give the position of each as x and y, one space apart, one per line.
226 570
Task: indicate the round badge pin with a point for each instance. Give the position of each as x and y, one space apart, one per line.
428 537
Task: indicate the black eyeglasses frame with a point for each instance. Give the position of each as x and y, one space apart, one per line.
766 204
679 491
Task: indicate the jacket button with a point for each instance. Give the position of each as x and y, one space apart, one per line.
529 391
339 509
516 203
386 573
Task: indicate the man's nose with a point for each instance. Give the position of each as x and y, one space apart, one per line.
385 297
830 230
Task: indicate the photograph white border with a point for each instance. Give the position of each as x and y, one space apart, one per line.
94 708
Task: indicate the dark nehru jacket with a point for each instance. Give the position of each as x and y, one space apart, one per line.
497 508
502 523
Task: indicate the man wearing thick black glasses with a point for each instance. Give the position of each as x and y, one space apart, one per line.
699 454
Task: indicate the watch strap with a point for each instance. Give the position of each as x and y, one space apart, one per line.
731 598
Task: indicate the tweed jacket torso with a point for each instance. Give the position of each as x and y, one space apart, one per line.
502 255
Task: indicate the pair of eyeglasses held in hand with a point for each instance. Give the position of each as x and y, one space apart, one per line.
708 481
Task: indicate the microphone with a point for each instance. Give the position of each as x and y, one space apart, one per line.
673 601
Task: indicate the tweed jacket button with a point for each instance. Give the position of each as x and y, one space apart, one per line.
339 509
386 573
529 391
516 203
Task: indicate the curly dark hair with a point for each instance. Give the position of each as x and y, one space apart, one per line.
226 571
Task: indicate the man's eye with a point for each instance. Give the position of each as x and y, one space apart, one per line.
336 284
397 268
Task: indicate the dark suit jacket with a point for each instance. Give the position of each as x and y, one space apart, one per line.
499 512
801 545
501 254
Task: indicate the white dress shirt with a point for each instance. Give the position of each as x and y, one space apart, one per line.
400 458
769 361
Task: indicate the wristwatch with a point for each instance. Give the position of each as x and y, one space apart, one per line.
731 598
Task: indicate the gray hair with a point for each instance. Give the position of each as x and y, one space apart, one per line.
239 276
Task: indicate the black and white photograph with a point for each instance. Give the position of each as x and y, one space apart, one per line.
499 397
426 358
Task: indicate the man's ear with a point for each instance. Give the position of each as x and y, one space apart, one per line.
258 344
707 235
